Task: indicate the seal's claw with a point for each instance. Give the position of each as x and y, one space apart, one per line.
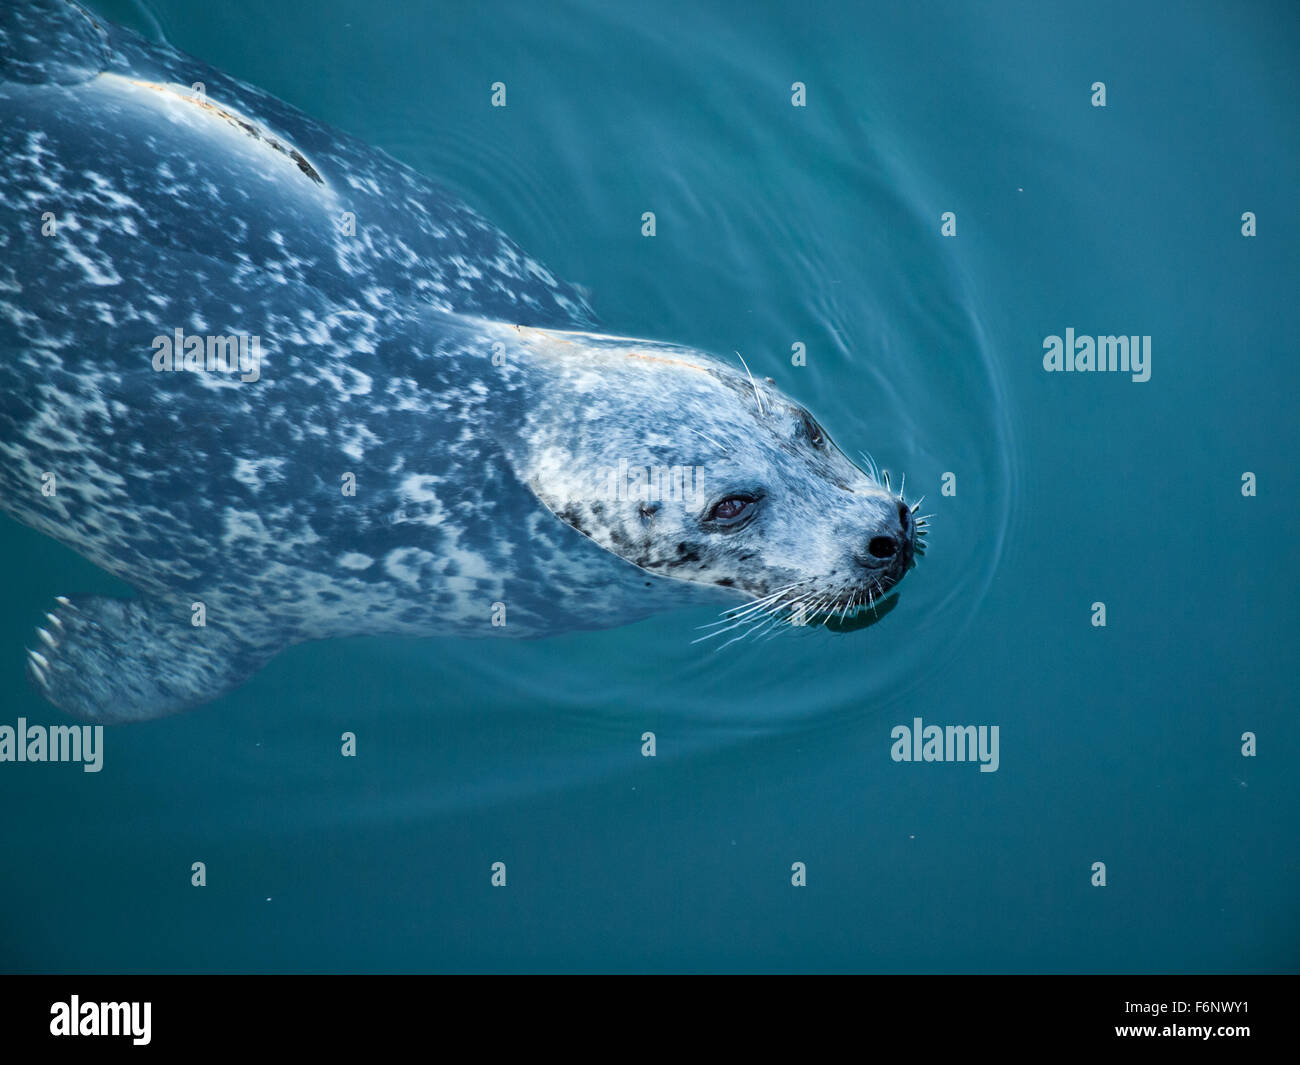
34 661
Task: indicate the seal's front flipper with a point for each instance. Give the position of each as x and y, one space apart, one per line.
115 660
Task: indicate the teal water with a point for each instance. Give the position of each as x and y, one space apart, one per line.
780 225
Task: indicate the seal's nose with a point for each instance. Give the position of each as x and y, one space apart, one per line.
882 547
894 546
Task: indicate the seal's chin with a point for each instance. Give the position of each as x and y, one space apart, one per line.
853 609
861 617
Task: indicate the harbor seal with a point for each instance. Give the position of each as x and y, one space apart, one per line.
290 390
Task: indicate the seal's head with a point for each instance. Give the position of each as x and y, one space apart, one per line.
690 469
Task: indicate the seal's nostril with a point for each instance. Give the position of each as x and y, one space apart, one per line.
904 512
882 547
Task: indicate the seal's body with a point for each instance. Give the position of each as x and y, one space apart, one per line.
288 390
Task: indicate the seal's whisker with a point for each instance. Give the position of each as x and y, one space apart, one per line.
873 468
719 632
729 642
739 636
757 398
767 628
845 611
780 624
770 596
917 505
772 625
810 609
827 609
737 612
752 615
806 611
721 447
817 609
780 617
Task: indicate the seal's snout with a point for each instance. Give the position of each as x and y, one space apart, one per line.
891 548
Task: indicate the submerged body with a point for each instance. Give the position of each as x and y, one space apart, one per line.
424 436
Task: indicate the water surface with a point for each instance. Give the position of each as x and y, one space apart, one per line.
780 225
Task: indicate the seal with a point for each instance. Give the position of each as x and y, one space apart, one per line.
290 390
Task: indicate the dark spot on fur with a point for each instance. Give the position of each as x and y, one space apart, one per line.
726 582
687 553
573 517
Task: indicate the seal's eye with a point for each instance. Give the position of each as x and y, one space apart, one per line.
732 511
813 431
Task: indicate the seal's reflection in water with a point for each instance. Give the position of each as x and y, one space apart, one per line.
863 618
